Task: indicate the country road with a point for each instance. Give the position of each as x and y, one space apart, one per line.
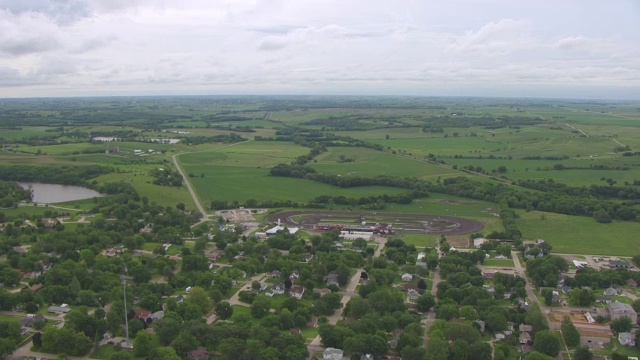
203 212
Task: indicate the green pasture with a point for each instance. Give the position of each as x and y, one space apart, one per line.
580 235
26 132
243 183
142 182
256 154
518 169
367 162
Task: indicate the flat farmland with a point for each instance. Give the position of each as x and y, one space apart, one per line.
583 172
367 162
580 235
255 154
241 172
243 183
138 176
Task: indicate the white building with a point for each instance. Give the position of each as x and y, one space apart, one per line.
477 242
275 229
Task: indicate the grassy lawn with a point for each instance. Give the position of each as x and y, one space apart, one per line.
104 352
498 262
580 235
309 333
10 318
240 310
421 240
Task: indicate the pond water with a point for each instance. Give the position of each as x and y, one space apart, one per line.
54 193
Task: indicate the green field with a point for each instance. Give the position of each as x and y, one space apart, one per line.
369 162
580 235
498 262
580 135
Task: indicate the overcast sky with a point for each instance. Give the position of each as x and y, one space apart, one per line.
568 49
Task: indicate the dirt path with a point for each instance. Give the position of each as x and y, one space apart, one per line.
576 129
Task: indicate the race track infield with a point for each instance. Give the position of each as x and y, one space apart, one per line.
403 223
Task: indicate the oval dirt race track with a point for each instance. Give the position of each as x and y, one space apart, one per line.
464 226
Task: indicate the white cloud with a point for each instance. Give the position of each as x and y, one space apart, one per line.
253 46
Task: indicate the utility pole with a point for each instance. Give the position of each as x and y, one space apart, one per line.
126 318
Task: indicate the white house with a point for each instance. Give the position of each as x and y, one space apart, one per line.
332 354
406 277
276 289
627 339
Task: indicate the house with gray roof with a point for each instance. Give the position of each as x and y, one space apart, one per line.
332 354
618 310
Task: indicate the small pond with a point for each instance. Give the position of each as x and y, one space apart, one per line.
54 193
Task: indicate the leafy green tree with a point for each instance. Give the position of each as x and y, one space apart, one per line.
150 302
88 257
447 311
9 330
425 302
224 310
583 353
547 343
65 340
413 353
260 306
75 287
7 346
163 353
184 343
536 319
376 345
481 351
621 324
143 344
460 350
570 333
437 348
200 298
462 331
167 329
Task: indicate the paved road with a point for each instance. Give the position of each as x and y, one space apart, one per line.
347 294
203 212
235 299
521 272
431 317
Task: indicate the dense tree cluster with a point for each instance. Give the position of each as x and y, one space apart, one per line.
11 194
53 174
166 177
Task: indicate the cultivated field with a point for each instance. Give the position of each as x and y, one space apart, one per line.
578 143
